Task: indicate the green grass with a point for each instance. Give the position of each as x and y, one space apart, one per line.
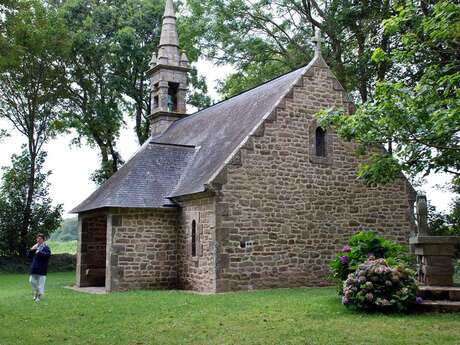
283 316
60 247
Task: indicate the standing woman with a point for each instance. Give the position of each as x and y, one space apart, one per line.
40 254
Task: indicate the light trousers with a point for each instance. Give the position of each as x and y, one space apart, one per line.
37 282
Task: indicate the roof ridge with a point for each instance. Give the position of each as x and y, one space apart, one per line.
241 93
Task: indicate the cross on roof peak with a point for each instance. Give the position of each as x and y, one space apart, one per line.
317 40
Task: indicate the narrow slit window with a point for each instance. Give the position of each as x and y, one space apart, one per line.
320 143
194 238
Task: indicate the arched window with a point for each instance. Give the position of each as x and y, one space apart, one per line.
194 239
320 142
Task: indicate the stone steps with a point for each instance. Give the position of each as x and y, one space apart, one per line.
439 299
451 293
439 306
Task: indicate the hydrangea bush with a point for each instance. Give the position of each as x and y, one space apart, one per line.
377 286
362 246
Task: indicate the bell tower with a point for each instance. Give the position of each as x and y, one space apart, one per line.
168 76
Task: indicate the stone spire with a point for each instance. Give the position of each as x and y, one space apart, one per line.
168 76
168 50
317 40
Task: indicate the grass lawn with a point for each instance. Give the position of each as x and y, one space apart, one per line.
283 316
61 247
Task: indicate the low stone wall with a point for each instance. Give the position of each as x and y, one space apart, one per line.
20 264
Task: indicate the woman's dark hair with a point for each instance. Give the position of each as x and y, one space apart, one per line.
42 236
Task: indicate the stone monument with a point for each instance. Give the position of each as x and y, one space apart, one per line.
435 254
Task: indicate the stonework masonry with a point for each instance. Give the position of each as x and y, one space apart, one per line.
91 250
197 273
298 210
143 249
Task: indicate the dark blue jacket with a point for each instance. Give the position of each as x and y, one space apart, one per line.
40 259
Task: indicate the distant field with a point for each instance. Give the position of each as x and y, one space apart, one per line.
60 247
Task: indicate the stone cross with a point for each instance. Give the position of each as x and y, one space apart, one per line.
317 40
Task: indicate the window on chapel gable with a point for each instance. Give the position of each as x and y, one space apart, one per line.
320 142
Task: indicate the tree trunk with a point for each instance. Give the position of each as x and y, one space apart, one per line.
30 194
139 130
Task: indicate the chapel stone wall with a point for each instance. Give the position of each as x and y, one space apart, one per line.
283 213
91 251
197 272
143 249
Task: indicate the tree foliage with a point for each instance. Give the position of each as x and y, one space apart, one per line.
44 217
416 113
441 223
67 231
265 38
33 49
97 103
113 42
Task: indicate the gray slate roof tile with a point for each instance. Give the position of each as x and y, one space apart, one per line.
144 181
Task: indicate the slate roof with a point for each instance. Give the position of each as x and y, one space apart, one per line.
144 181
194 150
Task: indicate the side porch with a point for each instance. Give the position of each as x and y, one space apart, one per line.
123 249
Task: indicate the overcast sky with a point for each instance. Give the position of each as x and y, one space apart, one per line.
72 166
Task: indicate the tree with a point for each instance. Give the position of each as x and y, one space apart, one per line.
135 38
416 114
34 46
113 43
267 38
96 112
67 231
44 217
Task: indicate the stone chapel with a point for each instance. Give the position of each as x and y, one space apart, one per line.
249 193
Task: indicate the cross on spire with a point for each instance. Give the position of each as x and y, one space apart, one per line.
317 40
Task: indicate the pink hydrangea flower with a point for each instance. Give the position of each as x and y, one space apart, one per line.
346 248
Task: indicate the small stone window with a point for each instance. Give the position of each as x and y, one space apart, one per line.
320 142
194 238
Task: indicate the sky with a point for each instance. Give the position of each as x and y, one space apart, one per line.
72 166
